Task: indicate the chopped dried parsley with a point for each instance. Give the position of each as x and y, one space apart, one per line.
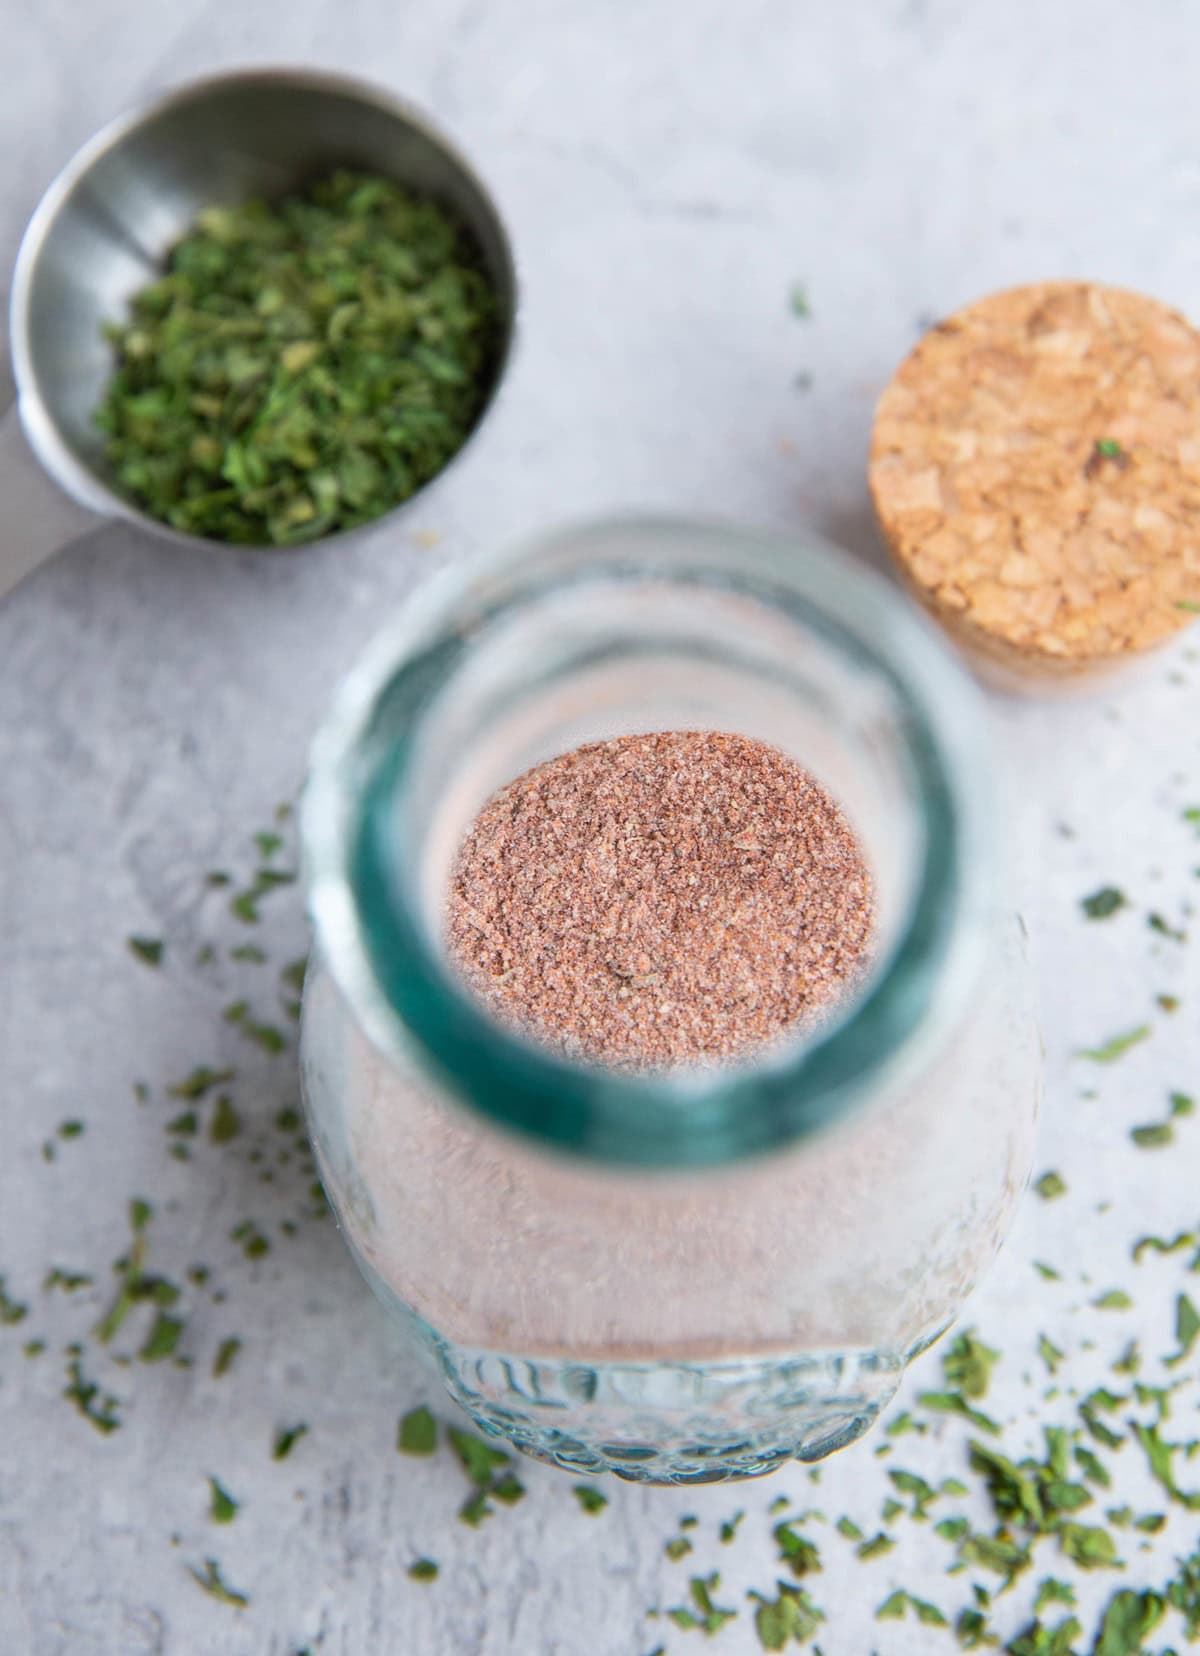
68 1281
952 1402
97 1407
285 1440
1116 1046
1103 903
422 1569
1153 1135
226 1352
1113 1299
878 1544
162 1338
1050 1185
1187 1327
591 1499
248 954
791 1615
225 1122
265 1035
70 1129
215 1586
222 1508
967 1363
417 1432
1157 923
302 366
202 1080
251 1240
798 302
710 1618
897 1604
1049 1353
796 1551
149 950
1160 1245
480 1461
678 1547
1129 1618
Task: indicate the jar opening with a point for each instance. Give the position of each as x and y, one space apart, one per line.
637 627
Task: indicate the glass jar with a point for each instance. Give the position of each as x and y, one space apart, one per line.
676 1277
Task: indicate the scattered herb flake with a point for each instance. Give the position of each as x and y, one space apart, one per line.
591 1499
202 1080
226 1352
68 1281
417 1432
100 1410
1049 1353
1187 1327
162 1338
1116 1046
968 1363
149 950
792 1615
285 1440
423 1569
213 1584
225 1122
1050 1185
951 1402
796 1551
222 1508
1103 903
479 1460
1152 1136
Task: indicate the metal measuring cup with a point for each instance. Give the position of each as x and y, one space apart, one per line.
103 229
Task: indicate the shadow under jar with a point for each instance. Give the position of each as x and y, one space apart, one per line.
691 1275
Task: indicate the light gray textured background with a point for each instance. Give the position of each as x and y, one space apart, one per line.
668 172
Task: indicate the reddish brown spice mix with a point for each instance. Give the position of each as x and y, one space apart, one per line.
679 898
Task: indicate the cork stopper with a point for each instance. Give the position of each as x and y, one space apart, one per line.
1035 469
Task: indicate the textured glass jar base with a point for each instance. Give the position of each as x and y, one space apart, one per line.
663 1422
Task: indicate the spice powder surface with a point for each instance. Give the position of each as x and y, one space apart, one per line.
674 899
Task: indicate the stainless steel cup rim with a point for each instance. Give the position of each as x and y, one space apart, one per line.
42 431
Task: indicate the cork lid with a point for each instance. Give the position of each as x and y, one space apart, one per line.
1035 468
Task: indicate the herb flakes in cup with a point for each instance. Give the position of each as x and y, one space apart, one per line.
303 366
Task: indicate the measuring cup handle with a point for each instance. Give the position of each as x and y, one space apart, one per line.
36 519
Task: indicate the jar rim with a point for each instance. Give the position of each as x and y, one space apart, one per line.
408 1000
